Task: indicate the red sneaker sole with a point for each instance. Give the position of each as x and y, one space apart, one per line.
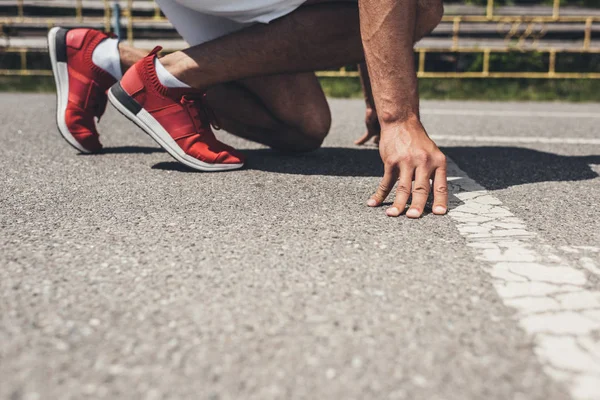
131 109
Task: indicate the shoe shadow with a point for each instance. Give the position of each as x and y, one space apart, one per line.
173 166
335 161
131 150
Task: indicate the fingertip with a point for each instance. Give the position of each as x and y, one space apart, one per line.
372 203
362 140
413 213
439 210
392 212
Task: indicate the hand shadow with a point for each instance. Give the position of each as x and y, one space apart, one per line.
503 167
492 167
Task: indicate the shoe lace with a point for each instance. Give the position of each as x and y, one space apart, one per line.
199 110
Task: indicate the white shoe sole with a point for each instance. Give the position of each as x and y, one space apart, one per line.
143 119
57 51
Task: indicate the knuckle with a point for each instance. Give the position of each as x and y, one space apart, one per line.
377 197
441 189
422 157
441 159
370 113
403 189
421 189
405 159
391 162
383 188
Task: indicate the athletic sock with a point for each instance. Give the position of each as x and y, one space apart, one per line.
166 78
106 56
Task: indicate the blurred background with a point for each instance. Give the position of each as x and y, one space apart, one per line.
483 49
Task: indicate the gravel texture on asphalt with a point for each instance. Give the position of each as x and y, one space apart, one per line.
124 275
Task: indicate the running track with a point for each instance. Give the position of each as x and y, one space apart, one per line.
126 276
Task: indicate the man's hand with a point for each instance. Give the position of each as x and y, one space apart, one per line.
388 34
373 128
409 154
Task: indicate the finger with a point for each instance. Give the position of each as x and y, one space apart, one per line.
364 138
420 193
440 191
402 192
385 187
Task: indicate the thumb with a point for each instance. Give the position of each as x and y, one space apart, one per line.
364 138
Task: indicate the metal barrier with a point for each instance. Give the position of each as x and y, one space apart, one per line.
524 35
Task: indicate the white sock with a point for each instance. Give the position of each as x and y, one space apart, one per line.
106 56
166 78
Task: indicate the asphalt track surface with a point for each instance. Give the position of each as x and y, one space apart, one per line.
124 275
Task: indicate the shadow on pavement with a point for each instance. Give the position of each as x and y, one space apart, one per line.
333 161
173 166
492 167
503 167
132 150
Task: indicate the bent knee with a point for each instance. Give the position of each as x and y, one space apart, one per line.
433 12
307 145
303 141
438 13
299 142
308 127
314 130
317 125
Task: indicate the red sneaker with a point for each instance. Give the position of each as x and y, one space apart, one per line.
80 85
178 119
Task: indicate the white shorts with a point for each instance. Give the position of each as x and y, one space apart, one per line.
199 21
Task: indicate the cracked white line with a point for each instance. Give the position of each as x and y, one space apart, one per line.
552 299
590 265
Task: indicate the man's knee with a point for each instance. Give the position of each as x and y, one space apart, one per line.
432 12
317 126
307 118
300 109
313 128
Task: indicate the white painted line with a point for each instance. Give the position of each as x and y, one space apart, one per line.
580 249
509 113
516 139
551 297
590 265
